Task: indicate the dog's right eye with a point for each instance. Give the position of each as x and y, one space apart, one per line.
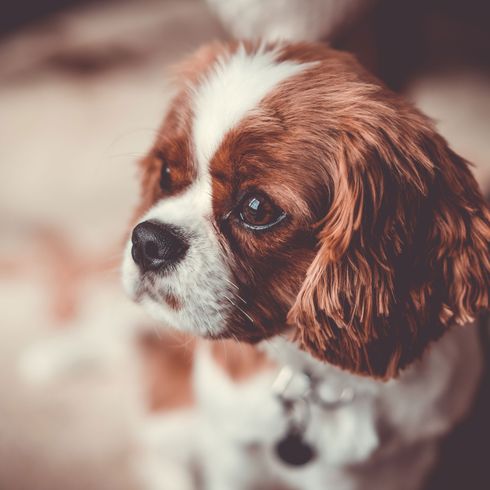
257 212
165 177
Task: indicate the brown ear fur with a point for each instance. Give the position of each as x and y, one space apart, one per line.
403 251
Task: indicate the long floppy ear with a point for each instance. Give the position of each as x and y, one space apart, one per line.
403 251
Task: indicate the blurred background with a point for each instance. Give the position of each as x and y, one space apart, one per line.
83 87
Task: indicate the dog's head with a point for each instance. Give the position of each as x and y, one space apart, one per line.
288 189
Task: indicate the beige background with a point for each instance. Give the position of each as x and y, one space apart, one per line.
80 98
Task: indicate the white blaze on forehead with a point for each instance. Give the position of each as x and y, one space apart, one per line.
235 85
201 281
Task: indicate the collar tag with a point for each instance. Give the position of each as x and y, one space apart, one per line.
290 385
296 391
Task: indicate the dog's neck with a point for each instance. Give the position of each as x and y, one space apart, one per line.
242 362
287 353
239 360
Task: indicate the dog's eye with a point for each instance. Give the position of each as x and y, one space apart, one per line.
258 212
165 177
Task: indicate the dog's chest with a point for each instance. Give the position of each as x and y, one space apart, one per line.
243 411
244 420
248 415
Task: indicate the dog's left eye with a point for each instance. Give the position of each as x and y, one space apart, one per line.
165 177
258 212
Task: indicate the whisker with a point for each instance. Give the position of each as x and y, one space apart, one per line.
229 299
240 298
240 309
178 340
244 301
231 282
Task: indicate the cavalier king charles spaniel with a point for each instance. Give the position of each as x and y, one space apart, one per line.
295 205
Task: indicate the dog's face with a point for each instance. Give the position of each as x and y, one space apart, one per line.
288 189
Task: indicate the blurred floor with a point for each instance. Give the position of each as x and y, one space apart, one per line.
80 98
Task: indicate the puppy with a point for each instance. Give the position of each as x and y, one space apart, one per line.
292 202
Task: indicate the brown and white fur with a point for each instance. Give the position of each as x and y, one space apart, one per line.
378 249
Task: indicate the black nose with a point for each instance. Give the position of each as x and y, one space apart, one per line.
157 245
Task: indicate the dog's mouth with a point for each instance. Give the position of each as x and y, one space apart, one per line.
148 288
173 304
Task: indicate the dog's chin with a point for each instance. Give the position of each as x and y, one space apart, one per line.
169 310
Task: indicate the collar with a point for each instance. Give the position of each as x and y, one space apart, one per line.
297 391
292 387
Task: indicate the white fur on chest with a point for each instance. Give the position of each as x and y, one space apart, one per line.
243 421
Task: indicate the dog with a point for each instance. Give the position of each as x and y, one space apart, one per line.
317 222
